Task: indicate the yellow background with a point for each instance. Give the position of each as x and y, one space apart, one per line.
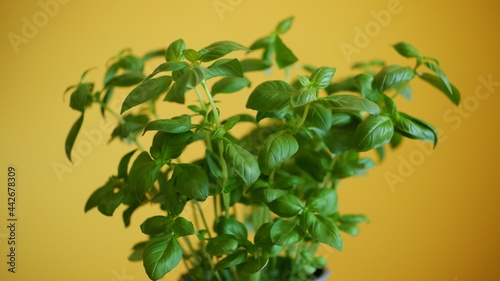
442 222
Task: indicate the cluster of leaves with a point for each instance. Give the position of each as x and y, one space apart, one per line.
307 135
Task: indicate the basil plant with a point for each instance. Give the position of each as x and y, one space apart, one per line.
257 205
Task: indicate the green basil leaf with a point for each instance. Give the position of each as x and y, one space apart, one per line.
138 252
222 244
99 194
254 264
342 138
248 65
217 133
261 43
414 128
191 55
243 162
132 63
143 173
231 260
351 229
146 91
389 106
346 85
368 65
73 133
374 132
168 66
187 81
322 77
284 56
407 50
182 227
343 103
365 82
354 219
319 117
230 84
326 231
284 25
108 204
153 54
341 119
174 52
175 125
127 214
286 233
437 82
304 80
396 140
263 235
156 225
132 126
391 76
213 163
286 206
161 254
307 219
263 240
270 96
267 195
225 67
277 148
174 203
437 70
405 90
123 166
125 80
289 181
231 227
220 49
169 145
111 72
323 201
304 96
231 122
81 98
191 181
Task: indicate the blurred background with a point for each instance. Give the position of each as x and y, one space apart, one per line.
435 214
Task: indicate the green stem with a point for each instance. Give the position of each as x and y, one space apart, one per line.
203 219
287 74
225 196
153 109
327 180
200 99
235 273
134 140
216 210
299 250
304 115
120 120
212 104
188 268
195 216
112 112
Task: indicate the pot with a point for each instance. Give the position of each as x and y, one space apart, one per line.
323 275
